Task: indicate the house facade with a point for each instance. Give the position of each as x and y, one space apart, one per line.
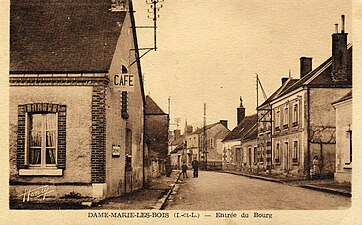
71 129
343 108
303 119
177 149
206 146
156 139
239 146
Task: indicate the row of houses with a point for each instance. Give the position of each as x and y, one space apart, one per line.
72 128
306 118
203 144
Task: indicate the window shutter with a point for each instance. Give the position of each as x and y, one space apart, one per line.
61 137
20 149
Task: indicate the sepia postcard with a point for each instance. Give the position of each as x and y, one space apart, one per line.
177 112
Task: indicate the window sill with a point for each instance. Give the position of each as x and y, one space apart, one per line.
347 166
40 172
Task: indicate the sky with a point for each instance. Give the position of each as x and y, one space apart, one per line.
210 51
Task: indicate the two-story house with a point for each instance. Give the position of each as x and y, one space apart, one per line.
303 117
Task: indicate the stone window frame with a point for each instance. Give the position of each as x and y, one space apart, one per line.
286 116
277 119
277 153
295 114
295 152
255 154
24 110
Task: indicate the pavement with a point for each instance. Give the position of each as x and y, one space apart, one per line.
153 196
324 185
223 191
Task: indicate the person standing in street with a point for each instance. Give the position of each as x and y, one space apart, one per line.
195 167
316 169
184 170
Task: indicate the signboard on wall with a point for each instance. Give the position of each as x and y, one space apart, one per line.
123 82
116 151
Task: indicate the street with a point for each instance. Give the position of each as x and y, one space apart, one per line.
222 191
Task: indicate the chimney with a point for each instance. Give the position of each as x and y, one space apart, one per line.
189 129
305 66
339 54
284 79
240 111
224 122
177 133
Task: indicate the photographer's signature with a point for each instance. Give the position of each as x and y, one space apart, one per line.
39 193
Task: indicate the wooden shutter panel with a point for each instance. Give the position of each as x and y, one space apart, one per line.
20 149
61 155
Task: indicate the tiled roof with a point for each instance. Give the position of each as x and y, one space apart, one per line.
242 128
63 35
344 98
152 108
321 76
180 145
201 130
178 140
286 85
251 134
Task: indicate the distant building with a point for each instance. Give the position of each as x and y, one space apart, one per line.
177 149
205 144
239 146
303 119
343 107
156 138
70 127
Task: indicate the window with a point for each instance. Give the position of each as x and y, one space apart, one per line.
286 117
42 139
295 152
277 153
349 132
255 155
286 150
124 104
238 155
248 155
295 115
277 119
124 69
129 142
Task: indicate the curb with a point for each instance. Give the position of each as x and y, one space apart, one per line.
308 186
327 190
256 177
162 201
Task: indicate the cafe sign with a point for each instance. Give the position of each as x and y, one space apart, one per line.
123 82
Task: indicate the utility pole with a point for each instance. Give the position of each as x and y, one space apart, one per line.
205 138
155 6
169 108
154 9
